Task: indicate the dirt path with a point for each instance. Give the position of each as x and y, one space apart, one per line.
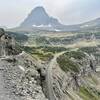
49 78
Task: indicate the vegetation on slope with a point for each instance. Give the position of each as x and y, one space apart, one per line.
20 37
75 54
89 49
37 51
67 64
87 93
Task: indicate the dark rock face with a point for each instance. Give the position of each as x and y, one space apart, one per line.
7 44
38 17
1 32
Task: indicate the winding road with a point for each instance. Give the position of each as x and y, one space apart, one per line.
49 78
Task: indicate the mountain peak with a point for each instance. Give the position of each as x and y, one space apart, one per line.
39 8
38 17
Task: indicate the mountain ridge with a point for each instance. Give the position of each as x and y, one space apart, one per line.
38 17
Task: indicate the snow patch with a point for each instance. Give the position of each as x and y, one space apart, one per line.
49 25
57 30
84 26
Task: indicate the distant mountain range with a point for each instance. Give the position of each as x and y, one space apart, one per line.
39 19
93 25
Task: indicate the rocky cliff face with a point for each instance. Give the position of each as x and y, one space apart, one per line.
7 44
20 78
80 84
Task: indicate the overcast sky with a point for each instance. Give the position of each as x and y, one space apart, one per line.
13 12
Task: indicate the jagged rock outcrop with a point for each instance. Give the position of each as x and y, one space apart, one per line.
73 85
7 44
20 78
1 32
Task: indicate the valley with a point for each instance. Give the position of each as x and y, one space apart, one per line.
51 65
42 59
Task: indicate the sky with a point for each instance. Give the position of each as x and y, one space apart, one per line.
13 12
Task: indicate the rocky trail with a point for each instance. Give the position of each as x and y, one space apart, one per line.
49 78
4 94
